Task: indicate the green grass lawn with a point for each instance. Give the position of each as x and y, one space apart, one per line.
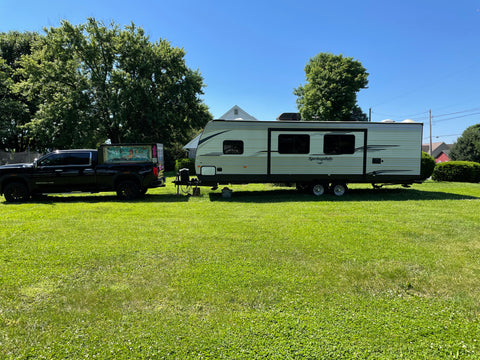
270 273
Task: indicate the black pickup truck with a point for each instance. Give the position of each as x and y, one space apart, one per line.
128 169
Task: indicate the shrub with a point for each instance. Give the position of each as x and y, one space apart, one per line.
427 166
467 146
459 171
185 163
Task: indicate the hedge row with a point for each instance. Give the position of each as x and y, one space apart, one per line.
427 166
459 171
185 163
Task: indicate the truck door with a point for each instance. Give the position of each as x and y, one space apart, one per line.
60 172
78 172
317 151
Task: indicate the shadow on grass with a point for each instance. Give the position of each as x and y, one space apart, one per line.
99 198
261 196
396 194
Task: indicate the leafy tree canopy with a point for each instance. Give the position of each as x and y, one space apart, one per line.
467 147
15 110
94 82
330 91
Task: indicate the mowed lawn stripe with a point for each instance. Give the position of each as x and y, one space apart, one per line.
389 273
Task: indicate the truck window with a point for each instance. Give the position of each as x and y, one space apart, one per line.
52 160
293 144
338 144
65 159
78 159
233 147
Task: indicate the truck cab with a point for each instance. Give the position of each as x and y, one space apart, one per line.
64 171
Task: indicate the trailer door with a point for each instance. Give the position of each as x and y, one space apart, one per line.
317 151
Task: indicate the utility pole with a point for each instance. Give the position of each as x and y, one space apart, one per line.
370 114
430 124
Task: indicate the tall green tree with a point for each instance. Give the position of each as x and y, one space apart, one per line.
467 146
53 77
15 110
99 82
330 91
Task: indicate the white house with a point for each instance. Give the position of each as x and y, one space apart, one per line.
235 113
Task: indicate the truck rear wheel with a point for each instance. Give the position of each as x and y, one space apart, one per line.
128 190
16 192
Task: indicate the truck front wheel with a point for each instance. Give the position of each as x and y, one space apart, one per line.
16 192
128 190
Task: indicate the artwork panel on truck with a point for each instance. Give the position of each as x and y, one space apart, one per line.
130 153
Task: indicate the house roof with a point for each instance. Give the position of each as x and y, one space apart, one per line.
437 148
237 113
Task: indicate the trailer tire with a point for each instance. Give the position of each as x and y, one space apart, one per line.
16 192
318 189
128 190
339 189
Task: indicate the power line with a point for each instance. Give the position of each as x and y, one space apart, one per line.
439 136
456 117
457 112
473 111
470 112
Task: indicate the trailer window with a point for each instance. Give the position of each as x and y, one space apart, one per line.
293 144
233 147
338 144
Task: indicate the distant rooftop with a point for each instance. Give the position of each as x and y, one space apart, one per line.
237 113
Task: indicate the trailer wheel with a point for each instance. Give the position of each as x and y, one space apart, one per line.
318 189
128 190
339 189
16 192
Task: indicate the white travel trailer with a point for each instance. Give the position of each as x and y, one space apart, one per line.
317 156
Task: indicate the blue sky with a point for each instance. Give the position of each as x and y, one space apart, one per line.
420 54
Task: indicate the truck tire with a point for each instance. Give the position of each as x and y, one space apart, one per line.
16 192
318 189
339 189
128 190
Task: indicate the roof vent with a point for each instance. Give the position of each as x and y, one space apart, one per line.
388 121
